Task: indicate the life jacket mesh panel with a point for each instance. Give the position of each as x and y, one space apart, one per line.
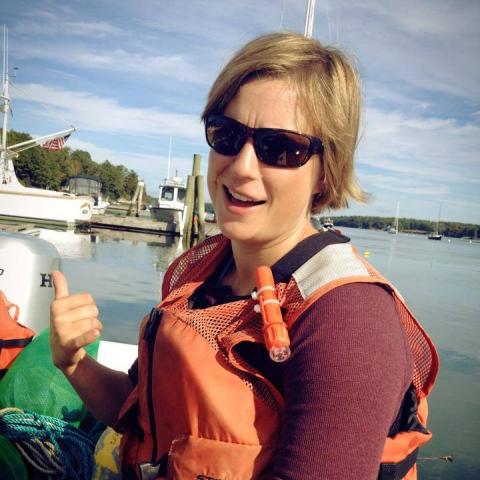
181 270
421 352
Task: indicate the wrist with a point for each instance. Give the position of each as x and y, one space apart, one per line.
70 369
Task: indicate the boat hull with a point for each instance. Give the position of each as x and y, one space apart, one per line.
166 214
22 204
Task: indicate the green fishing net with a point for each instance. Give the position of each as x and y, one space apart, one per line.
34 383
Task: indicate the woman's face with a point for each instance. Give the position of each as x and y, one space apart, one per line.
255 203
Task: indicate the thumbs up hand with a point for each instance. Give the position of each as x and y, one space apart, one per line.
74 323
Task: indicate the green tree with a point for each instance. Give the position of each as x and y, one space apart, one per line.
130 183
112 180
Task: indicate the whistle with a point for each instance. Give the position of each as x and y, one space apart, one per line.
275 330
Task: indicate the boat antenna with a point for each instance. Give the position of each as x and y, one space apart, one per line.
309 18
169 157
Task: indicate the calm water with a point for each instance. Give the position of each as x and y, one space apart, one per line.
438 279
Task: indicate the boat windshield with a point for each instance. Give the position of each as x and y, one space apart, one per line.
167 193
181 194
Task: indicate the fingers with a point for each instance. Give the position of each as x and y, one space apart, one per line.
76 335
76 323
60 284
75 313
83 340
71 302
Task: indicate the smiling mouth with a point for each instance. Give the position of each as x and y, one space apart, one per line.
240 200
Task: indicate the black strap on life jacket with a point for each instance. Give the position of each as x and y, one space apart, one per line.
406 421
12 343
15 342
396 471
407 418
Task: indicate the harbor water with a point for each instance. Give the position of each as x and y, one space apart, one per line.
439 280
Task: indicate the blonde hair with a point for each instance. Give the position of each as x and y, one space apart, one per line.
328 95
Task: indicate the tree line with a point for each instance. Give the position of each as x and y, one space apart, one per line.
49 169
449 229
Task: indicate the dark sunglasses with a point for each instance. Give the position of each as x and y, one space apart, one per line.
273 146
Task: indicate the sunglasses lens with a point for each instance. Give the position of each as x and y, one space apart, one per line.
224 135
281 149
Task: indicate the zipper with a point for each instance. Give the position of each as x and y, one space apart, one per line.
150 336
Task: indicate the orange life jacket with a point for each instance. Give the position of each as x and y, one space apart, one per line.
13 336
199 411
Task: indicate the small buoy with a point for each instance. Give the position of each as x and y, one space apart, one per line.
366 254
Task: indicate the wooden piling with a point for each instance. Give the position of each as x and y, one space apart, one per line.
190 204
197 163
200 206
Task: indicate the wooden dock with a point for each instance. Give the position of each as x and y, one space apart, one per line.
26 228
134 224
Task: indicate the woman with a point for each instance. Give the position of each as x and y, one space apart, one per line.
205 400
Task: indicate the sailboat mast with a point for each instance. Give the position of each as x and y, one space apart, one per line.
5 96
5 108
309 18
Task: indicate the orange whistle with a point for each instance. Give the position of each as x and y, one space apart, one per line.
275 330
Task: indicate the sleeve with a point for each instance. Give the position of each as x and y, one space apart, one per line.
343 385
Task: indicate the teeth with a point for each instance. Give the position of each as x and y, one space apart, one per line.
240 197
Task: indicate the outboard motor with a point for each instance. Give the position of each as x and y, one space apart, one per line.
26 265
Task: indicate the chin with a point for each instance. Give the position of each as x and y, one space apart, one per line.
237 232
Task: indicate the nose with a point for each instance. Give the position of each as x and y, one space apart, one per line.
245 163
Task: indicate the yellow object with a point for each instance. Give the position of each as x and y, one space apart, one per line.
107 463
366 254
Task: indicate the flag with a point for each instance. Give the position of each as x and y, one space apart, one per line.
55 143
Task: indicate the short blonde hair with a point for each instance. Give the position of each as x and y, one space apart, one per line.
328 95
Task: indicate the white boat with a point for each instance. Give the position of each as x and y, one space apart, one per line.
328 224
394 229
171 199
25 204
436 235
171 202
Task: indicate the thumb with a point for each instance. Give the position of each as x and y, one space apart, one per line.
60 284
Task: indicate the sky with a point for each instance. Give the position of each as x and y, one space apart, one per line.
130 75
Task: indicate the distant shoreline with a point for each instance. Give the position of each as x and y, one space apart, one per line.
407 225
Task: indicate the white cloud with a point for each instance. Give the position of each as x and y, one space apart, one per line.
48 24
432 44
429 148
92 113
118 60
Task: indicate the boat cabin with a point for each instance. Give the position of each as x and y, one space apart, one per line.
172 194
86 185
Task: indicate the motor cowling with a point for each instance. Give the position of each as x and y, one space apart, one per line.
26 265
